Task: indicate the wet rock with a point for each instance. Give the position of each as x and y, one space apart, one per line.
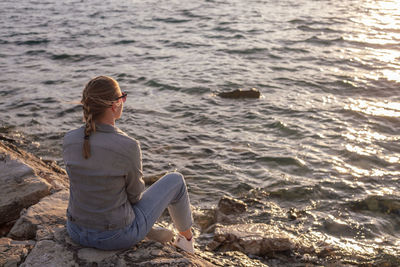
387 260
326 251
338 227
294 214
211 228
204 218
382 204
228 205
228 210
252 93
256 239
20 187
48 213
13 252
7 139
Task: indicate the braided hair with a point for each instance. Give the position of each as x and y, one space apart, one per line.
98 95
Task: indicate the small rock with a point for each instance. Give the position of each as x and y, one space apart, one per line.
293 214
211 228
168 262
43 233
252 93
156 252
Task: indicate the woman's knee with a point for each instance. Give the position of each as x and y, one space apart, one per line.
175 177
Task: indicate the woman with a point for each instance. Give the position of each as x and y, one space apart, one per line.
108 208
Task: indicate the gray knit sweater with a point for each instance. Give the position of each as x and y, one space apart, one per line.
103 187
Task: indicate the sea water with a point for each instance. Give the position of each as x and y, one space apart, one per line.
323 139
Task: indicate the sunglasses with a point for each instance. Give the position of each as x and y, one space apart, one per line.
123 96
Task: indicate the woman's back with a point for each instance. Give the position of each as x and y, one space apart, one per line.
103 187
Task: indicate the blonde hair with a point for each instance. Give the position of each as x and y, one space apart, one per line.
98 95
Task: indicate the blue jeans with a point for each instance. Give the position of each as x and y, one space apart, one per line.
170 191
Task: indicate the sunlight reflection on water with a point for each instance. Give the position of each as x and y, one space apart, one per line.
375 108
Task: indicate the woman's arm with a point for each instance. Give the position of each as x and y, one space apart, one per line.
134 180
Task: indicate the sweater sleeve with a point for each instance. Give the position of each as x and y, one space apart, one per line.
135 184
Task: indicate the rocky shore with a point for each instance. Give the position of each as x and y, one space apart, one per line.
33 201
34 197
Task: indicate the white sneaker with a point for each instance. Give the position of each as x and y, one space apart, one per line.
182 243
160 234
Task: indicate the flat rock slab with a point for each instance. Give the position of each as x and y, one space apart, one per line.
48 253
94 255
60 252
20 187
47 170
48 213
256 239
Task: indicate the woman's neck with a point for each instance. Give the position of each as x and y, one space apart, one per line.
106 120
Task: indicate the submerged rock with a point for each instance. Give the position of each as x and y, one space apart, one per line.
382 204
256 239
252 93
